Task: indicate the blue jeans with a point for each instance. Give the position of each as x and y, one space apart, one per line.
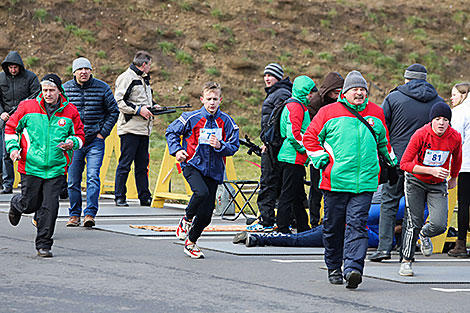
308 238
8 172
93 153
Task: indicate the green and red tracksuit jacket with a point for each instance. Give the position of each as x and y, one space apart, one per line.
344 148
294 122
38 136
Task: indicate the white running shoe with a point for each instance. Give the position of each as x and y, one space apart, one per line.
183 228
426 245
193 250
405 269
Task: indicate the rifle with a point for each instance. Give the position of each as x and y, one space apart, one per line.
166 110
251 146
160 110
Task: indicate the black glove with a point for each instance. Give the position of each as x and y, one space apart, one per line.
392 175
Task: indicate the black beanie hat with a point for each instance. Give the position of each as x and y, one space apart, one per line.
53 78
440 109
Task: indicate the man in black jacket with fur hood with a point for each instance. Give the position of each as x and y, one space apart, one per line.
16 85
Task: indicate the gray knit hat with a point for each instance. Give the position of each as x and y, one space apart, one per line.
81 63
354 80
275 70
416 71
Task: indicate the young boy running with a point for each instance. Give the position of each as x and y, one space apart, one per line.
209 135
426 163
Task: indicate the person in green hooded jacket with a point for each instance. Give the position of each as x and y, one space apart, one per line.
292 156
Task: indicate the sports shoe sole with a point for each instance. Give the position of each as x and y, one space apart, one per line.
354 279
240 237
88 224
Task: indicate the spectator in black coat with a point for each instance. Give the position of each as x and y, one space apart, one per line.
406 108
16 84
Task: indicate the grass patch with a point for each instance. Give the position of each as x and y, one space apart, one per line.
167 47
165 74
40 15
184 57
84 34
326 56
31 61
101 54
210 46
213 71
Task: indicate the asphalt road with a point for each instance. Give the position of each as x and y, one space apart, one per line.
98 271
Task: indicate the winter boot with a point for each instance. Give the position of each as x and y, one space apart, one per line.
460 249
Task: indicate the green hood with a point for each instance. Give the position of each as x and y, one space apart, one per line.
301 88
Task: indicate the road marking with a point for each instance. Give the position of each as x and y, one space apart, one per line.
417 261
451 290
297 261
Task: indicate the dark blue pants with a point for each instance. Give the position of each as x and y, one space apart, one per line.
202 203
134 148
344 229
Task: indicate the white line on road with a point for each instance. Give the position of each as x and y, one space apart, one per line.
451 290
417 261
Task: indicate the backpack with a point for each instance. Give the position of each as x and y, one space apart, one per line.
272 133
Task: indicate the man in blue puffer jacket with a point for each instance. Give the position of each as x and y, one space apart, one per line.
99 112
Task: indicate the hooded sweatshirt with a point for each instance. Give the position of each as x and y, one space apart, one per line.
294 122
428 149
14 89
406 109
332 81
461 123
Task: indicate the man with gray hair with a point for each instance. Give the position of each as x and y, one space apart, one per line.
344 140
99 112
134 97
406 109
41 134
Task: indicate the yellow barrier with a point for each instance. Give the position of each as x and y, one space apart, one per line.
162 187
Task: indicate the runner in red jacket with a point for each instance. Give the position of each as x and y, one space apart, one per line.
426 163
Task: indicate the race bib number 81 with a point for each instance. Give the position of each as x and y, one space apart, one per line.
205 134
435 157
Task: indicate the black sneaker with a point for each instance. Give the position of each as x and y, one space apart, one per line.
335 277
121 202
353 279
14 216
146 202
45 253
379 256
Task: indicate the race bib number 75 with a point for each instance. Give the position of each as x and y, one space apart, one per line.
435 157
205 134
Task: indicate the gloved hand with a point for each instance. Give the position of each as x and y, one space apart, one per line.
392 175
